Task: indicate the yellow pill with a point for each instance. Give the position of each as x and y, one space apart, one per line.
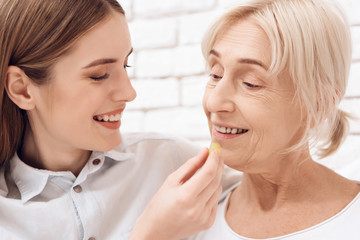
215 146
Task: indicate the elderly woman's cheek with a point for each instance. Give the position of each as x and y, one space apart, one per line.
259 97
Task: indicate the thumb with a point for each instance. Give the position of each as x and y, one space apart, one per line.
189 168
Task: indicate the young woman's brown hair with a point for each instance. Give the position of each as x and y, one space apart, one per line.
33 35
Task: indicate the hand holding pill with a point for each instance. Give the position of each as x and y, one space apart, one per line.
187 200
214 146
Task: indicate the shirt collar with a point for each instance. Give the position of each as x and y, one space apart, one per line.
3 186
31 181
118 154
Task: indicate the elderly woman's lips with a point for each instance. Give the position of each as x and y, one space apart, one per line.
227 130
225 133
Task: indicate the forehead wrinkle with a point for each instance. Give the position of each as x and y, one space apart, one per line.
247 40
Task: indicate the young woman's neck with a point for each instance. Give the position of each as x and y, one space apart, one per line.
54 158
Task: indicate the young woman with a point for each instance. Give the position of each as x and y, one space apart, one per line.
66 171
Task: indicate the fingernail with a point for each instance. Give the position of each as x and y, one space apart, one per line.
215 147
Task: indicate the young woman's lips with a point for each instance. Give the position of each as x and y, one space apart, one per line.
110 125
110 120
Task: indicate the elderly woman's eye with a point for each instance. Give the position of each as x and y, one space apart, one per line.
250 85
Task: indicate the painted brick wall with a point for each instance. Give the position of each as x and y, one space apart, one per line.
168 69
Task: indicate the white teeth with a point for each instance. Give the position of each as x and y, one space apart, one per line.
230 130
107 118
222 129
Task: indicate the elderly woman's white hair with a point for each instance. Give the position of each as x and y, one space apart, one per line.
310 42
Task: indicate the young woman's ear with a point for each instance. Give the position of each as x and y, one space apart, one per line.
19 88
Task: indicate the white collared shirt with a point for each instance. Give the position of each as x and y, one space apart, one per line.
103 202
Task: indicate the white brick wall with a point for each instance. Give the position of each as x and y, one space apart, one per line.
193 26
157 33
156 97
355 31
353 89
156 8
168 69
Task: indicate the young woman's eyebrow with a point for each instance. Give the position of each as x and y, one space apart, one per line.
104 61
100 62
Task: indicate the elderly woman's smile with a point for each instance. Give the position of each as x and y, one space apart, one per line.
227 132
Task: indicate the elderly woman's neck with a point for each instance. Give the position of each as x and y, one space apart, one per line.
290 181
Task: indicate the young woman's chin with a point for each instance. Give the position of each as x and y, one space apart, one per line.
109 144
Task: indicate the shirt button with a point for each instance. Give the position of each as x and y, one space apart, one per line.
77 189
96 162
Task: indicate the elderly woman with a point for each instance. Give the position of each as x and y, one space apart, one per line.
278 70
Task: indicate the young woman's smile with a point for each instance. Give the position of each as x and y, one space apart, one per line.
111 120
81 106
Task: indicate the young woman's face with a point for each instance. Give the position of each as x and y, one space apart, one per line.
82 105
253 115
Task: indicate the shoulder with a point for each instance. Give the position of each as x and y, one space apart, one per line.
354 207
135 139
158 146
155 141
344 225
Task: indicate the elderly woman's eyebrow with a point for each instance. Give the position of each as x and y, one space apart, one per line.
252 61
241 60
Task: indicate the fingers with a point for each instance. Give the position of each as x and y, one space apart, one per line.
189 168
212 217
204 176
213 186
213 200
210 209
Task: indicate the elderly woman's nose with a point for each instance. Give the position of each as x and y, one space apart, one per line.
220 98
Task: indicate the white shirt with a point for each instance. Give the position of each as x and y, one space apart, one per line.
103 202
343 226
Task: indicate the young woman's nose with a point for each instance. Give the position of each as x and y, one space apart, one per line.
123 89
220 97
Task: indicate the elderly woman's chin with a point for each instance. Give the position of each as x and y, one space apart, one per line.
259 151
241 158
253 161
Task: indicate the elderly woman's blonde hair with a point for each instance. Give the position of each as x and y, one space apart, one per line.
311 41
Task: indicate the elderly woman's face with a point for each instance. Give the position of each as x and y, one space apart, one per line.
253 115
